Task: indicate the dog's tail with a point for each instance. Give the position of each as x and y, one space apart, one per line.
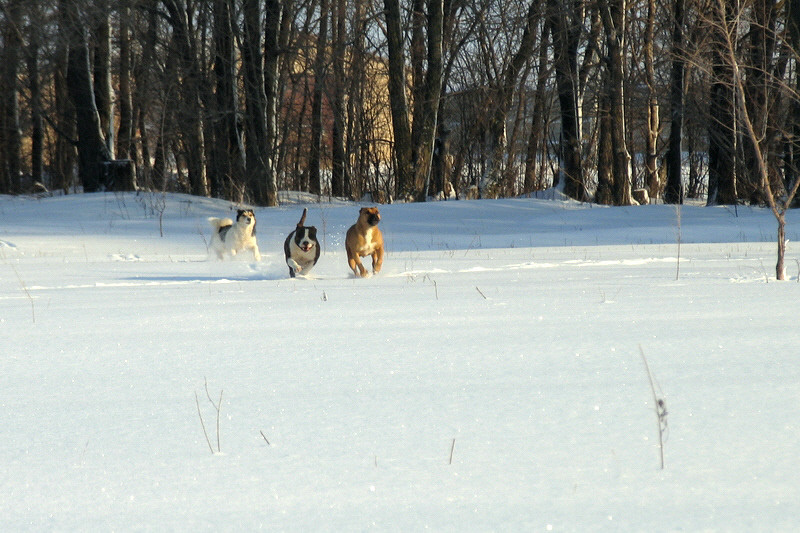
217 223
303 218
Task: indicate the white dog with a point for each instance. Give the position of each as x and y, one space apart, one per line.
231 238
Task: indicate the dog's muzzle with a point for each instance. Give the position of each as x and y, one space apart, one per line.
373 220
306 245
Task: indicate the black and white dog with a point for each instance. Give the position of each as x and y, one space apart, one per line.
301 248
230 238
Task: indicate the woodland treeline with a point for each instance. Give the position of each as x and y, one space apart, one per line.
409 99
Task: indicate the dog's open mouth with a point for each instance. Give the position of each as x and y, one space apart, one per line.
306 246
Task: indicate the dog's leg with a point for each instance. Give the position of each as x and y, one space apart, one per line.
293 266
355 264
256 253
377 260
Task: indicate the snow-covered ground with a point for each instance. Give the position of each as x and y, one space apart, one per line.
488 379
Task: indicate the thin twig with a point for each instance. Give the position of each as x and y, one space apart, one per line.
217 407
678 235
25 288
452 447
265 438
481 293
197 401
661 408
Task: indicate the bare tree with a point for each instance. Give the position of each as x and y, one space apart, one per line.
778 197
499 101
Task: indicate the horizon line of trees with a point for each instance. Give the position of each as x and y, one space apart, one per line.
239 99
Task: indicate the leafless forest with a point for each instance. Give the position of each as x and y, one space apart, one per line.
613 101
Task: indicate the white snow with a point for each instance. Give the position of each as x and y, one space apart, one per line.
505 332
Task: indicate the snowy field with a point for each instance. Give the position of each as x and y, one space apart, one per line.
488 379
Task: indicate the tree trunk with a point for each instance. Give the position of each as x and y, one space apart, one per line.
191 112
398 101
761 67
92 149
338 105
653 119
432 94
255 102
11 131
227 162
535 159
792 166
566 27
276 32
35 86
125 148
500 102
102 72
613 15
417 56
673 188
722 123
605 149
320 80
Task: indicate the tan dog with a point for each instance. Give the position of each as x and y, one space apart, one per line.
363 239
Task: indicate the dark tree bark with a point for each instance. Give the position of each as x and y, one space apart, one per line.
398 100
255 101
536 159
125 148
431 94
605 148
92 149
10 129
722 186
759 94
566 22
320 81
613 15
792 156
339 45
276 30
673 188
190 113
226 161
653 118
101 40
417 55
35 87
502 97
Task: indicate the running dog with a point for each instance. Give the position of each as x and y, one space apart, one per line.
363 239
301 248
231 238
